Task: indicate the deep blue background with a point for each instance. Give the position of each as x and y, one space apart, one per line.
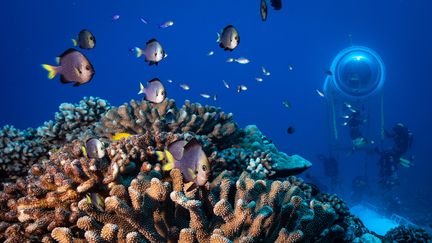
307 34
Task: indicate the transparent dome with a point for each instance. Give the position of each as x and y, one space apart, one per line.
357 72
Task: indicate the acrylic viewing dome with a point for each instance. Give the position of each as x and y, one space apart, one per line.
357 72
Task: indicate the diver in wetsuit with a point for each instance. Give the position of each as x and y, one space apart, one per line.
402 138
388 163
354 122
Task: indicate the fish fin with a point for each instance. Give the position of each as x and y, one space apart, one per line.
218 37
154 80
120 135
84 151
57 60
142 89
192 173
228 26
68 51
76 84
151 63
156 63
63 80
160 155
150 41
168 166
230 50
169 157
52 71
89 201
191 143
138 51
75 43
221 45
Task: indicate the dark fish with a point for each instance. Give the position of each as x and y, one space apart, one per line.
154 92
276 4
86 40
153 52
96 200
190 159
263 10
95 149
290 130
170 117
229 39
74 67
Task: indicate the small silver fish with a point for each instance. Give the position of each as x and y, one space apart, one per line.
153 52
287 104
290 67
230 59
263 10
143 20
259 79
95 149
226 84
169 81
185 86
166 24
154 92
204 95
346 117
242 60
265 72
214 97
86 40
241 88
115 17
348 105
211 53
74 67
320 93
229 39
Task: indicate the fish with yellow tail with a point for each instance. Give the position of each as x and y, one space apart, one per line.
120 136
189 158
96 200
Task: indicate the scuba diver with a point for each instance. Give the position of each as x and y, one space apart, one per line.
388 163
402 138
331 170
354 122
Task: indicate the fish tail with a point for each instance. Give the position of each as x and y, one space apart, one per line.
138 51
218 37
168 166
142 89
160 155
75 43
52 71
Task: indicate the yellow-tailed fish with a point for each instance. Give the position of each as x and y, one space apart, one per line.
84 151
120 136
96 200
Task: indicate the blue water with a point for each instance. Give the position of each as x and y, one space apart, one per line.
306 34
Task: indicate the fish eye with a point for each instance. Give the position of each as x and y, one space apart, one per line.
91 38
88 67
155 54
204 167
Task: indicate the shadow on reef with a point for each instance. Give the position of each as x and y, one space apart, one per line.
50 198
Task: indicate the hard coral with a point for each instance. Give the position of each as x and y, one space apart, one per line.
407 234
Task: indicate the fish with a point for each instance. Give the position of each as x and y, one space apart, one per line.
170 116
166 24
214 97
230 59
207 96
143 20
85 40
115 17
73 67
320 93
241 88
287 104
242 60
276 4
405 163
290 130
189 158
185 86
229 39
169 81
84 151
120 136
345 123
226 84
265 72
210 53
346 116
96 200
290 67
153 52
95 149
359 142
263 10
154 92
259 79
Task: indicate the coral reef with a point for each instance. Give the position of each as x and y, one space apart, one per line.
407 234
126 197
20 149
